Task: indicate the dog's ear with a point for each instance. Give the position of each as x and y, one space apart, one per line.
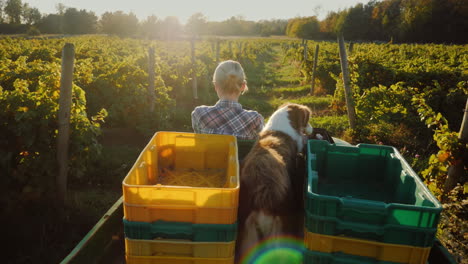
298 116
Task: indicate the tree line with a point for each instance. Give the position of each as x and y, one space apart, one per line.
17 17
438 21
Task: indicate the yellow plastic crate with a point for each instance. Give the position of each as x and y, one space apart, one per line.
201 155
164 247
379 251
176 260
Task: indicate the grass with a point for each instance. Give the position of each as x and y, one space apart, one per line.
293 91
335 125
257 103
316 103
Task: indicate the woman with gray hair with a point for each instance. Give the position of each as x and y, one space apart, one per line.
227 116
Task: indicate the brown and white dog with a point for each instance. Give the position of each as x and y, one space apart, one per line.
271 189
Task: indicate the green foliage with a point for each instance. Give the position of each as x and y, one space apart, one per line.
453 226
450 147
315 103
29 126
382 103
30 81
335 125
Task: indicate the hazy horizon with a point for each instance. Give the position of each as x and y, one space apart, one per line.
211 9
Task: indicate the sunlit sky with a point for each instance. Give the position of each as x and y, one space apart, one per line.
214 10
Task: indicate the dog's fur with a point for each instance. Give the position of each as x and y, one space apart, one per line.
271 189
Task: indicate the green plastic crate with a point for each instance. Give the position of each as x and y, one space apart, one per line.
314 257
370 186
180 230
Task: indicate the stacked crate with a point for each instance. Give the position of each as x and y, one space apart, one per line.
365 204
181 200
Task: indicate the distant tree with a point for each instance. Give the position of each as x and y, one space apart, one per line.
356 22
434 21
51 24
415 17
119 23
454 13
237 26
151 27
387 15
24 10
232 26
60 8
340 21
196 24
31 15
13 9
303 27
2 4
374 27
401 21
328 25
264 28
79 21
271 27
171 27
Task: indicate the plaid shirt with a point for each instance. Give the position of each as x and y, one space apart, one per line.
228 118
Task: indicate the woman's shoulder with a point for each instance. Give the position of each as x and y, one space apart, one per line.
254 114
202 108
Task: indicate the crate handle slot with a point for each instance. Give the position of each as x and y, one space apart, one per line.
363 206
177 229
361 228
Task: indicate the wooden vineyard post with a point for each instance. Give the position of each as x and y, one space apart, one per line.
239 52
457 170
346 81
217 51
151 92
305 50
351 46
65 100
463 135
312 87
194 72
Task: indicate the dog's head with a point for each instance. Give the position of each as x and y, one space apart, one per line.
299 116
292 119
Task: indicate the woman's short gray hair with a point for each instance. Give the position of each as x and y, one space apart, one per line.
230 76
